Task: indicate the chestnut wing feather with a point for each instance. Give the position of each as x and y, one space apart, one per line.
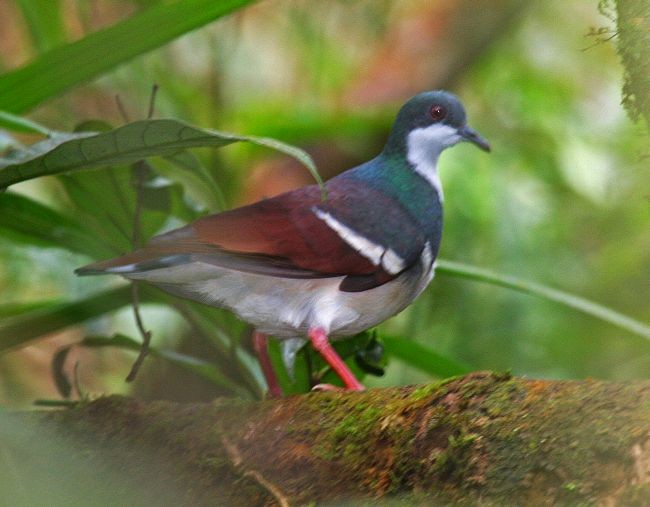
281 236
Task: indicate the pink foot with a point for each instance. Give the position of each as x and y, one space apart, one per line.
261 346
321 343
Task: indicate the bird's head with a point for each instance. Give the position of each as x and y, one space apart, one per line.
431 122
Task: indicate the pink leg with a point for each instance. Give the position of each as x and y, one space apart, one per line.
261 346
321 343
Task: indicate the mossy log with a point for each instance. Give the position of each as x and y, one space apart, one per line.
480 439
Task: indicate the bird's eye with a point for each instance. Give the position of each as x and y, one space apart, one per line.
438 112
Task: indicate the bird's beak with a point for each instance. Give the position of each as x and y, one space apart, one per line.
469 134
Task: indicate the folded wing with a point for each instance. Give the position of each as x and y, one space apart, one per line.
294 235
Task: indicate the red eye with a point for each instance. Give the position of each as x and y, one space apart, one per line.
438 112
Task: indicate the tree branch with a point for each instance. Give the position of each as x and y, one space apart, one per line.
482 438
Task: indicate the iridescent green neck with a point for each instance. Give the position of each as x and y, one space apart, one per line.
393 175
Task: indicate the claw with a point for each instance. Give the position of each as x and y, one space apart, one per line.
336 389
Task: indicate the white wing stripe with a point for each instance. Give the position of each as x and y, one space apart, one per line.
375 253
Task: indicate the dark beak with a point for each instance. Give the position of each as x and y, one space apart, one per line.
469 134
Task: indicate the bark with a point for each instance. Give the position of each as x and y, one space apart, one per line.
480 439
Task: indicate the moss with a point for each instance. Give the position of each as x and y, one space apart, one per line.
637 494
428 390
571 486
479 438
468 433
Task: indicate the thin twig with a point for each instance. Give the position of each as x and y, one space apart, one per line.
238 462
146 335
140 173
140 170
152 101
121 109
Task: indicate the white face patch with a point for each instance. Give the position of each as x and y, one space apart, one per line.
424 146
375 253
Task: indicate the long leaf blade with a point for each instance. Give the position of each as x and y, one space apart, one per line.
66 66
581 304
20 124
31 222
44 21
19 331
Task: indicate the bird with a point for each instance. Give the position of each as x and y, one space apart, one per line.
306 266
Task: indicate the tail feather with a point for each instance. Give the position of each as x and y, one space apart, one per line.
135 262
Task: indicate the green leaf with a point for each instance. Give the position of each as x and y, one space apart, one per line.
20 330
44 21
27 221
584 305
13 309
423 358
55 139
105 202
66 66
19 124
125 145
297 383
184 168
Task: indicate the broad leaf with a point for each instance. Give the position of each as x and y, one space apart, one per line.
105 202
125 145
17 157
66 66
186 169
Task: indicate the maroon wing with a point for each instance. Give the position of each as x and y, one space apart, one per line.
281 236
284 227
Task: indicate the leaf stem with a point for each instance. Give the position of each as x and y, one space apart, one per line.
581 304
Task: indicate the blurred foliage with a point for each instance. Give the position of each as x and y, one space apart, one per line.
562 200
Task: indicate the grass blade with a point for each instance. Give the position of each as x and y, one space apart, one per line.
27 221
19 124
20 330
44 21
583 305
66 66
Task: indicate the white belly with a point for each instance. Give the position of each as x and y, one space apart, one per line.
288 307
